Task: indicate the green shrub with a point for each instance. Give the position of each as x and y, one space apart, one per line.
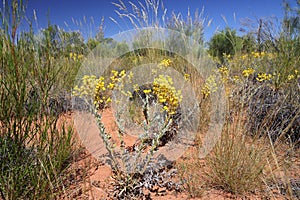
34 148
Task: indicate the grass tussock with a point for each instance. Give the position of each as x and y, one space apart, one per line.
237 162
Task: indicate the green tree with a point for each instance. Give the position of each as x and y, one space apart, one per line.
226 42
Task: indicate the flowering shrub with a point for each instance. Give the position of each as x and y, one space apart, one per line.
224 71
98 90
248 67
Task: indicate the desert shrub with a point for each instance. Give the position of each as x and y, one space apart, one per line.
258 106
268 91
34 148
134 166
275 114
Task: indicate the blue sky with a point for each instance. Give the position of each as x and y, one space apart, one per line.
62 12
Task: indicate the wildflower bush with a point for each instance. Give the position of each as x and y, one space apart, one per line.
99 91
261 88
130 167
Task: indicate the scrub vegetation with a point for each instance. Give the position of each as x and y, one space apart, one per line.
257 154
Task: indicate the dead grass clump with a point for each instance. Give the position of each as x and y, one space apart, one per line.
237 162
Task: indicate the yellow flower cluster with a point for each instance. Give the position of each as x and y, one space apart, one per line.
136 87
97 89
115 78
147 91
258 54
227 56
187 77
293 76
92 88
263 55
224 71
99 96
87 88
236 79
165 62
210 86
166 93
263 77
75 56
247 72
115 83
250 59
244 56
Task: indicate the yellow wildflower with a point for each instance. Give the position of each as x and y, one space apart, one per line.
210 86
244 57
166 93
114 72
255 54
205 91
122 73
187 77
146 91
111 86
165 62
136 87
291 77
129 94
108 100
263 77
247 72
80 57
166 108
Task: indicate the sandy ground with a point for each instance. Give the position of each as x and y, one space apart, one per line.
91 177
